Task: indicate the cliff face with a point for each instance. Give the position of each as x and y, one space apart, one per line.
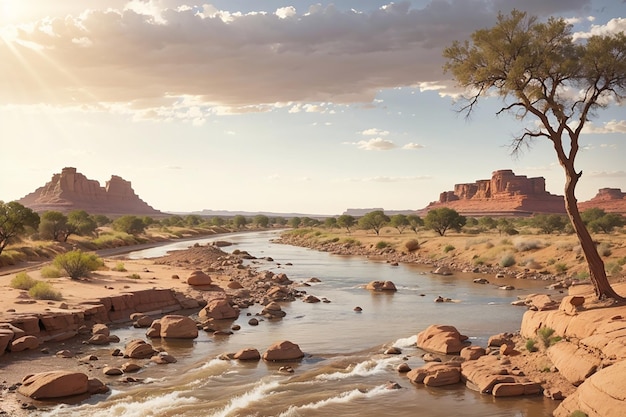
504 194
71 190
611 200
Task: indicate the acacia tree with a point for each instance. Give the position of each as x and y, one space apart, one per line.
374 220
14 219
542 74
442 219
347 221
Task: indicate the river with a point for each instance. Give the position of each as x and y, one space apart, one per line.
344 372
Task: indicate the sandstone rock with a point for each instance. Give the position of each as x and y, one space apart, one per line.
487 373
571 303
442 270
100 328
441 339
98 339
381 286
574 363
54 384
273 310
141 320
429 357
178 327
138 349
111 371
154 330
163 358
471 353
283 351
501 339
403 368
541 302
602 395
199 278
24 343
130 367
436 374
219 309
71 190
6 336
311 299
247 354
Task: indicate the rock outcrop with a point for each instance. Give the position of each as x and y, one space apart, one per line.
59 384
611 200
71 190
504 194
441 339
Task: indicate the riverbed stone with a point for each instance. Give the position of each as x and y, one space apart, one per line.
441 339
283 351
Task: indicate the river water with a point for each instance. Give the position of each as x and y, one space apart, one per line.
344 372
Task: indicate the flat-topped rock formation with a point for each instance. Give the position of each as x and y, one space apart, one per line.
504 194
71 190
611 200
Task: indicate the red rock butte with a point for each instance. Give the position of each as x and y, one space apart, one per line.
71 190
507 194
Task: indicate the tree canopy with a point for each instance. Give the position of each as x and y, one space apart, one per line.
552 82
442 219
14 220
346 220
374 220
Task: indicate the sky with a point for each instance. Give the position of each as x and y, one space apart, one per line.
281 106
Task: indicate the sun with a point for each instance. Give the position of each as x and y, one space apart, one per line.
10 11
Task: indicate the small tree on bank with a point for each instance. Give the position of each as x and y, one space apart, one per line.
374 220
442 219
542 74
77 264
14 221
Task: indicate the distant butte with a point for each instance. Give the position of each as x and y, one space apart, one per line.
71 190
507 194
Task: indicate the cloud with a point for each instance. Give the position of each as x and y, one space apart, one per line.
375 132
613 126
386 179
412 146
142 56
613 26
375 144
608 174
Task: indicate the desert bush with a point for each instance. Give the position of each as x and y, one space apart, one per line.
578 413
134 276
381 244
523 245
44 291
412 245
23 281
77 264
448 248
489 245
507 260
349 242
478 261
604 249
612 268
506 242
545 334
581 275
530 345
119 267
560 267
50 271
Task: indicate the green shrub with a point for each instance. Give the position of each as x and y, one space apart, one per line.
448 248
578 413
507 260
78 264
44 291
134 276
23 281
412 245
560 268
50 271
545 335
479 261
581 275
613 268
381 244
119 267
530 345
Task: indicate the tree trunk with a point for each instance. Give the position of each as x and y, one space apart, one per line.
597 273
